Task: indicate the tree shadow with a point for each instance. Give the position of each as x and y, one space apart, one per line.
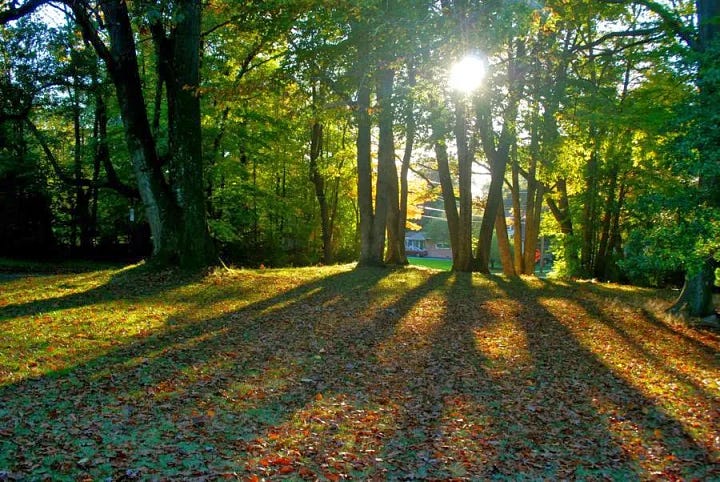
642 335
614 428
133 283
365 374
124 405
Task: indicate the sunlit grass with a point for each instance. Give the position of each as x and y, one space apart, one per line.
332 373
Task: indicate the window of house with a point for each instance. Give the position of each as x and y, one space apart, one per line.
415 243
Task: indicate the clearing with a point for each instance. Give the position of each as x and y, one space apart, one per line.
332 373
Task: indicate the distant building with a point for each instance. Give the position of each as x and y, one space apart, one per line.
417 244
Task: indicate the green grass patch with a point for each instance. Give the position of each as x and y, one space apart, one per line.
336 372
432 263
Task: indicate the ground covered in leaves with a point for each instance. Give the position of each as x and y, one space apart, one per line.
339 373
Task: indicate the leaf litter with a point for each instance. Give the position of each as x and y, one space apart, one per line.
337 373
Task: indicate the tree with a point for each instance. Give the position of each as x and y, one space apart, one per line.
703 52
174 205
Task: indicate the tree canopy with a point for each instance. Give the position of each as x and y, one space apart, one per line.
301 132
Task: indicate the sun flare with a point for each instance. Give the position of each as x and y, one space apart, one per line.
467 74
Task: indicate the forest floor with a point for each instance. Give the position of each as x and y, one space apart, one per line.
333 373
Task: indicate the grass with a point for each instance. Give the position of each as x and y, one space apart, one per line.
333 373
432 263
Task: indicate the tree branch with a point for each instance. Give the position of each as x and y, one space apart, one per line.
15 13
627 33
113 181
670 20
90 33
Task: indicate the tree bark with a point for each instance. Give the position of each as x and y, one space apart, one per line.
387 204
519 261
196 246
368 255
448 191
316 177
410 128
464 259
696 295
439 133
506 255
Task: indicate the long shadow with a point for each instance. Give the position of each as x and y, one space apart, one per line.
290 375
124 405
577 391
644 324
668 330
134 283
441 429
472 416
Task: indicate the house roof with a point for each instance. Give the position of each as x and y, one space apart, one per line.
415 235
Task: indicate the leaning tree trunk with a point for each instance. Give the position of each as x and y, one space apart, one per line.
506 255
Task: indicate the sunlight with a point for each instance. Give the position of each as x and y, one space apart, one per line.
467 74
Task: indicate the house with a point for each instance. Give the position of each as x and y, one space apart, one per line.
418 244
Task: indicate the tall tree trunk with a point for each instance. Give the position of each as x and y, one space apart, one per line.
464 259
177 220
196 246
589 219
533 201
410 128
448 192
368 255
518 259
387 205
316 149
497 151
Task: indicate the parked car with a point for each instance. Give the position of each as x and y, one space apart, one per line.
416 252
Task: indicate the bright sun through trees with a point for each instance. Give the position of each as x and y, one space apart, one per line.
467 74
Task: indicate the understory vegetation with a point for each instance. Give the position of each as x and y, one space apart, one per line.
332 373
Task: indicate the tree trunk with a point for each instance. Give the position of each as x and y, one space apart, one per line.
519 261
410 127
368 255
696 295
448 193
464 259
316 148
697 290
497 151
532 225
196 247
387 205
506 255
177 220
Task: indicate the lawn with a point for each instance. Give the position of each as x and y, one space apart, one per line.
333 373
433 263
